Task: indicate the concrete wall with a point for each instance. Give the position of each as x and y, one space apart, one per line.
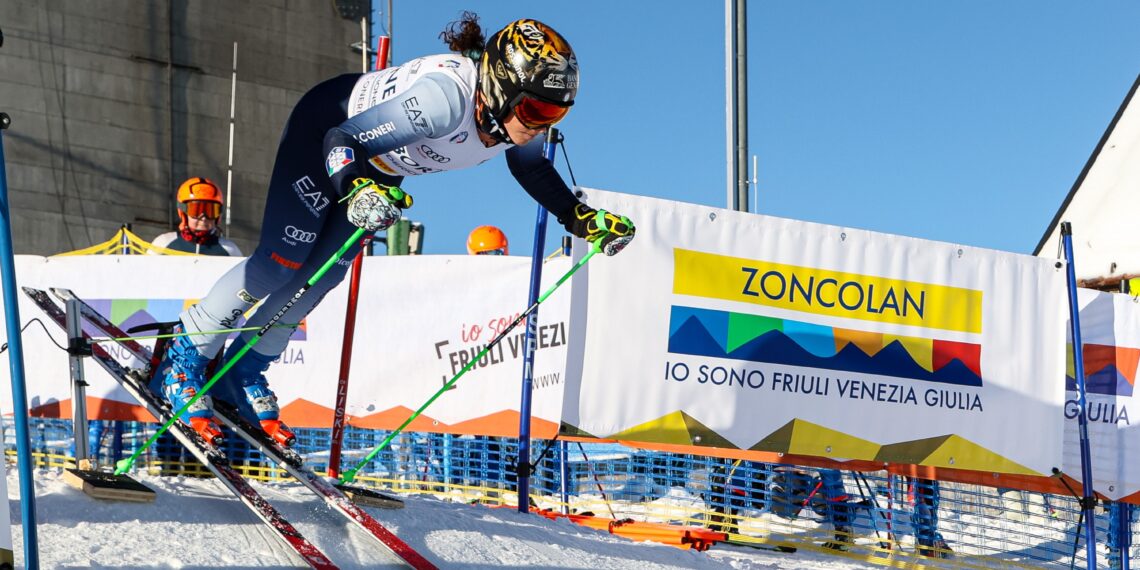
103 130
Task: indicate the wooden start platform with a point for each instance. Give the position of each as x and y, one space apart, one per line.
108 486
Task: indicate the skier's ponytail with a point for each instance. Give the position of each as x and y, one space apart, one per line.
465 36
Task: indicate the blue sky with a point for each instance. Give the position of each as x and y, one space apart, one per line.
964 122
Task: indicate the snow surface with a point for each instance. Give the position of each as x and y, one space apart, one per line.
196 523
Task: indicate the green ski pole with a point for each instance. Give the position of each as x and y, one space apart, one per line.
125 464
350 474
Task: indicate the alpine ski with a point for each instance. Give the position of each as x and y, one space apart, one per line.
284 457
211 457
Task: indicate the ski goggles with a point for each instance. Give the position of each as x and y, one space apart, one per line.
492 252
201 209
537 114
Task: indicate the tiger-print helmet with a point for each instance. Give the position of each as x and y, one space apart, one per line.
528 57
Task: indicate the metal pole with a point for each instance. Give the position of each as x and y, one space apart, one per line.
16 365
564 476
75 350
522 466
729 103
230 160
170 217
124 241
755 186
1088 500
741 72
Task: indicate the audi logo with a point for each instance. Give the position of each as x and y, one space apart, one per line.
296 234
432 154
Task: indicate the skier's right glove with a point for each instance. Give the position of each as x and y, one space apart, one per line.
609 231
375 207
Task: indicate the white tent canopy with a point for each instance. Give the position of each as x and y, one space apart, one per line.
1104 203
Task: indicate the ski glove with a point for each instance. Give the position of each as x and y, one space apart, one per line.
610 231
375 207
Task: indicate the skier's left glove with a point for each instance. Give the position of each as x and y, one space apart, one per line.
375 207
610 232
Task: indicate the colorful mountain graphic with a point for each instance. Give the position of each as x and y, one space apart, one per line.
739 336
1109 370
680 432
127 313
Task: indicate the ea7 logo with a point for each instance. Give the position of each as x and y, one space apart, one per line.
316 200
310 195
298 235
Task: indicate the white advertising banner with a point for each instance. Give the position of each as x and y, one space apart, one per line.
1110 334
419 321
726 329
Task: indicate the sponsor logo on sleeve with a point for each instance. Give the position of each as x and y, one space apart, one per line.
415 116
459 138
375 132
338 158
379 164
409 164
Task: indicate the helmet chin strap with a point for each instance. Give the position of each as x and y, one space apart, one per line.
489 124
201 237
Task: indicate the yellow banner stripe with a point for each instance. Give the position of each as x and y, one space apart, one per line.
824 292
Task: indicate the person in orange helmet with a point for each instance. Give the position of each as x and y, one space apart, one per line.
487 240
199 209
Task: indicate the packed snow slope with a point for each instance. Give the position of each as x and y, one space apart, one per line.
195 523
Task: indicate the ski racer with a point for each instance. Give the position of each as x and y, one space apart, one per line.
346 148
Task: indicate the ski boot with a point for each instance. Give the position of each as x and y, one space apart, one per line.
936 548
249 374
843 540
184 374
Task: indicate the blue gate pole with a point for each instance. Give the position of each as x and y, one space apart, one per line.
1124 533
1088 501
522 468
16 364
563 447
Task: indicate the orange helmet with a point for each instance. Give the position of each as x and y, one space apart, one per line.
487 240
199 196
